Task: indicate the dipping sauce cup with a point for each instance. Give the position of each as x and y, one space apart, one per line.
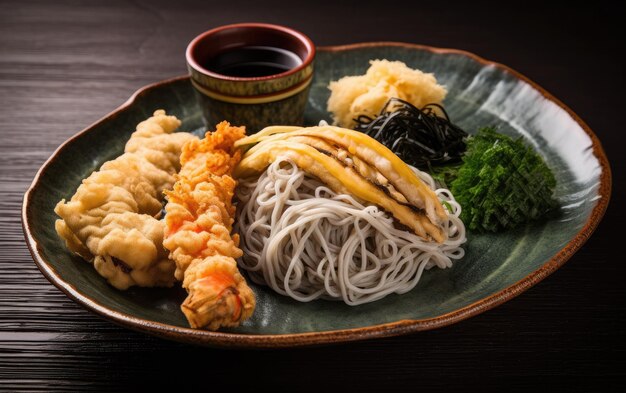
252 74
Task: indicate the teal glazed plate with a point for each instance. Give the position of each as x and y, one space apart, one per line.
496 267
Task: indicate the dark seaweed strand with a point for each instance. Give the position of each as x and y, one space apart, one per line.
420 137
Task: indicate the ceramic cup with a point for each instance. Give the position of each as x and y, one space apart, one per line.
251 100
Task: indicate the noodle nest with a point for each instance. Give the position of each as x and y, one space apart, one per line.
305 241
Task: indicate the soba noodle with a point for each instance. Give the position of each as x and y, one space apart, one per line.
305 241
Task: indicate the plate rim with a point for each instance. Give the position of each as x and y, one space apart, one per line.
396 328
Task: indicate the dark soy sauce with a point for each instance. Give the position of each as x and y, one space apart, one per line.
253 61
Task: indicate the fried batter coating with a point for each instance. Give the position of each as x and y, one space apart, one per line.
112 219
199 218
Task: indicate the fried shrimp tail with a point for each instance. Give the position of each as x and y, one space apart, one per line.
199 220
218 294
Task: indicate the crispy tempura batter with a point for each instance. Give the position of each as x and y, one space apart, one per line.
199 218
111 220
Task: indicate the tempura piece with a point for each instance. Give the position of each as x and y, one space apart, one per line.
112 219
199 218
366 95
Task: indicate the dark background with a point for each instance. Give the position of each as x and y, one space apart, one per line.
65 64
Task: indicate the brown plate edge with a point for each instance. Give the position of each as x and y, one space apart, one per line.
234 340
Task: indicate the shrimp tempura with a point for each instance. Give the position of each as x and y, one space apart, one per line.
199 218
112 219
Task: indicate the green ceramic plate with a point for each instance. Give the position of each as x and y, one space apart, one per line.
495 268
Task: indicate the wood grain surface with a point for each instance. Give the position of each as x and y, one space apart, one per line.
65 64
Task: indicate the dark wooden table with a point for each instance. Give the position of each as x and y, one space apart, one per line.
65 64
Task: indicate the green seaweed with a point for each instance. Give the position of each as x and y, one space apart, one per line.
501 183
